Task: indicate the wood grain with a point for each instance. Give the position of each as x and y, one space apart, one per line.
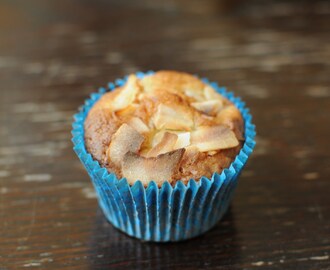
274 54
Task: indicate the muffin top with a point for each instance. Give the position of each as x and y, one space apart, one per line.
166 126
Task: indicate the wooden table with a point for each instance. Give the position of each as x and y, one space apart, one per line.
274 54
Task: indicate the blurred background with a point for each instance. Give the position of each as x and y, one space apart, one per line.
274 54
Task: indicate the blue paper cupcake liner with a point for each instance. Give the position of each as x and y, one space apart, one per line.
166 213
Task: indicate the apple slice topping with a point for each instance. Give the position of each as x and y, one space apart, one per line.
231 117
209 107
183 140
138 125
127 94
229 112
210 93
169 118
197 95
209 138
160 168
165 145
124 140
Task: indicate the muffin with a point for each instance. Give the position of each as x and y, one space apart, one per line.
164 151
168 126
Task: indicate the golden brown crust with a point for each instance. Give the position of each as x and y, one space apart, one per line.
190 113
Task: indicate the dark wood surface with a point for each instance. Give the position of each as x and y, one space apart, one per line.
274 54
